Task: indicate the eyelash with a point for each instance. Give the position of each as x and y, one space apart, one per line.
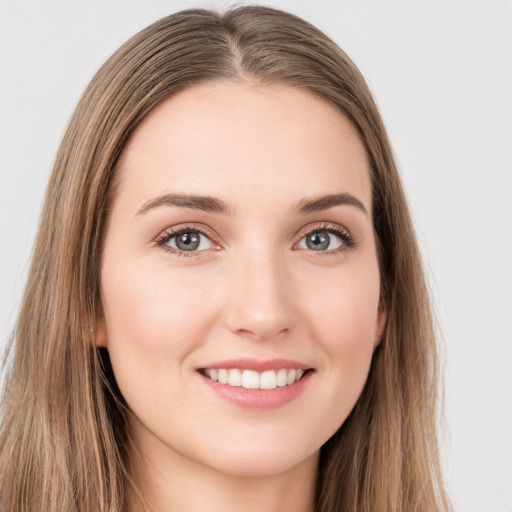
347 239
172 232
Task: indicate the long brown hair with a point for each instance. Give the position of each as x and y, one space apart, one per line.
63 434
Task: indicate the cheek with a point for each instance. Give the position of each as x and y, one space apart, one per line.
153 326
151 315
344 307
146 298
343 319
340 312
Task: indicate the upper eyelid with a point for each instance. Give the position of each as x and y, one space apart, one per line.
174 231
326 225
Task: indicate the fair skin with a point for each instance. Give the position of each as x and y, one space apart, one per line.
253 285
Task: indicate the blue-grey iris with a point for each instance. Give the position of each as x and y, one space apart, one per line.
187 241
319 240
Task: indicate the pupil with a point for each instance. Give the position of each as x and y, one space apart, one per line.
187 241
318 241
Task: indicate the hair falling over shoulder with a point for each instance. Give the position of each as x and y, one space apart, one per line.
63 439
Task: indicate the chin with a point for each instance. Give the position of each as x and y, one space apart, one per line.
272 463
260 459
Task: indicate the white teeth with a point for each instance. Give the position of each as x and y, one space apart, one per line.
268 380
251 379
282 377
223 376
235 377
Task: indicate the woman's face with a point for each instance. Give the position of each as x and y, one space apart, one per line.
240 247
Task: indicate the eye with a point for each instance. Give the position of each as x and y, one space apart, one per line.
188 241
329 238
320 241
185 241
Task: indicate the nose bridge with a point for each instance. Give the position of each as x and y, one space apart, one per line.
260 303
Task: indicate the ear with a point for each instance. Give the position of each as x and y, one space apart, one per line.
99 332
380 326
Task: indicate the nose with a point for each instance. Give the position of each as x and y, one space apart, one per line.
260 304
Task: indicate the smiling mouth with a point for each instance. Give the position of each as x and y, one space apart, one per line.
250 379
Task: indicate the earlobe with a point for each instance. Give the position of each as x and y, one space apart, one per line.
381 324
99 331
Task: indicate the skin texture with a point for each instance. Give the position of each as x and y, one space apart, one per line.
252 289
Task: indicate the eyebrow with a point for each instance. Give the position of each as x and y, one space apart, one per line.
329 201
203 203
214 205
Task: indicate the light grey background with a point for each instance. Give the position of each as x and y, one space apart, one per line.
441 72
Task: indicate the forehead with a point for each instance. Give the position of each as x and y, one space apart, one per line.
240 141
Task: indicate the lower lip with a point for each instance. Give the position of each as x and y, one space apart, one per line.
259 398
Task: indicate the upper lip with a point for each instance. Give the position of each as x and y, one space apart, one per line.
257 365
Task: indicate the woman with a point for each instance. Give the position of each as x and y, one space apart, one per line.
226 306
